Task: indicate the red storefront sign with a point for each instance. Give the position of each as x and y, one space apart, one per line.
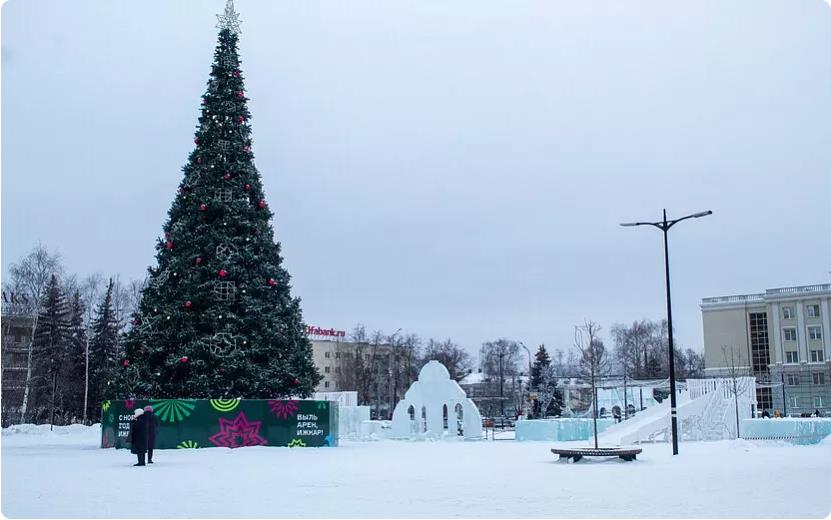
311 330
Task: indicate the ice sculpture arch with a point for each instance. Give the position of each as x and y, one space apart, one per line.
444 406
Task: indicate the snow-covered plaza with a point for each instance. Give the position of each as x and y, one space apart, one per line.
65 474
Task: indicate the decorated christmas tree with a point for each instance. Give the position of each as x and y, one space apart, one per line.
217 318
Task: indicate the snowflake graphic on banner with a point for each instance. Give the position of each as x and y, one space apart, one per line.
238 433
283 409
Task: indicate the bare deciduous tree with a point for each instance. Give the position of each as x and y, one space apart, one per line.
31 276
90 289
454 358
735 370
593 359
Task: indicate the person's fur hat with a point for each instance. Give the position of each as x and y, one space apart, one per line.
148 408
138 412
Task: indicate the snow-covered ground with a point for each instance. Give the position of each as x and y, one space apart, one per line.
65 474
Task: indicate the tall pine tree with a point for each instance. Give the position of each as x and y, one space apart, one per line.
541 360
217 318
72 396
103 353
50 349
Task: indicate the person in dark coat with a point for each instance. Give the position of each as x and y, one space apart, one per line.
138 436
152 430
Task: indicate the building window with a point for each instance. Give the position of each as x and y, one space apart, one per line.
818 401
815 332
326 384
791 356
789 333
787 313
813 311
819 378
759 342
794 401
793 379
337 355
326 369
817 356
326 355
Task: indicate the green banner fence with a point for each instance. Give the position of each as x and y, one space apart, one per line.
230 423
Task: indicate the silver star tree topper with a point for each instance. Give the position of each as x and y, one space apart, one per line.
230 19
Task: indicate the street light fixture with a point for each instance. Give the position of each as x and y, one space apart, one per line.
664 226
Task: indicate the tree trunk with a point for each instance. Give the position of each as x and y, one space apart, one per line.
28 384
86 380
594 405
52 401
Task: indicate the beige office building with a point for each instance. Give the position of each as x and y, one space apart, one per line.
333 359
781 336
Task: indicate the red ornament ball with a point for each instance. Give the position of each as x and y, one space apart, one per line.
223 273
237 73
196 141
188 304
246 148
272 282
183 359
203 207
261 204
168 244
198 260
199 160
226 176
296 381
125 363
241 119
247 187
240 94
135 322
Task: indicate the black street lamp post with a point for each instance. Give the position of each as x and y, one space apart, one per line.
664 226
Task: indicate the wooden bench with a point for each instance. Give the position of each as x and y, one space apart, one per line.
626 454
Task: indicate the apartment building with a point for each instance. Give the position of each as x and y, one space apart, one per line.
782 336
16 336
335 359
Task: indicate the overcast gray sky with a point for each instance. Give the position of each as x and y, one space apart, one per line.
451 168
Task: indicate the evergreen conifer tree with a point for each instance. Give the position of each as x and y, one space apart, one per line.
542 379
72 396
103 354
50 348
217 318
541 359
